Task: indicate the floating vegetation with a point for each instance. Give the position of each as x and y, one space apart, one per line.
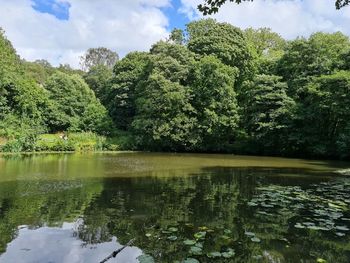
321 207
146 259
189 242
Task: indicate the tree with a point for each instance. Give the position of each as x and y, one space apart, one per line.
164 117
212 6
98 56
214 100
264 41
74 105
99 80
177 36
208 37
267 47
306 58
267 114
323 126
128 74
39 70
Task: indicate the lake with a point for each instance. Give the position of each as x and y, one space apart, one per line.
177 207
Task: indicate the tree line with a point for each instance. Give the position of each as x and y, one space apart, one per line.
209 88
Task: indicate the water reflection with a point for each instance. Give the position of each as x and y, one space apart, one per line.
229 214
52 244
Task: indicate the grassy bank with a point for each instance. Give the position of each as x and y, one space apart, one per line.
66 142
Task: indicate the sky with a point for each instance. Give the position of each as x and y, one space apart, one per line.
60 31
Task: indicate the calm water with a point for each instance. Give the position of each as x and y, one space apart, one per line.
210 208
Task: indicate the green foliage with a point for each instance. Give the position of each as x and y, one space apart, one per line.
21 133
97 57
99 78
74 105
177 36
208 37
214 101
323 126
79 142
267 47
267 112
320 54
163 118
128 73
209 88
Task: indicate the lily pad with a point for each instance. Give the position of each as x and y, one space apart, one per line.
255 239
172 229
340 234
298 225
172 238
194 250
190 260
189 242
200 235
229 253
214 254
249 234
145 259
227 231
342 228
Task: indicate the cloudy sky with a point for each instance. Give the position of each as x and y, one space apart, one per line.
61 30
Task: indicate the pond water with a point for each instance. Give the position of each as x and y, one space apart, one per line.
177 208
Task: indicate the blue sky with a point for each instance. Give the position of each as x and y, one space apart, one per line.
58 9
60 31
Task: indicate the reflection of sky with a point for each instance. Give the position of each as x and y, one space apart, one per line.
58 245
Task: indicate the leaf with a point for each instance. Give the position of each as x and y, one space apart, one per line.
255 239
194 250
172 238
190 260
249 234
229 253
200 235
189 242
173 229
145 259
342 228
227 231
214 254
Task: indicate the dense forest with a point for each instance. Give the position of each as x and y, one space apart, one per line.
209 88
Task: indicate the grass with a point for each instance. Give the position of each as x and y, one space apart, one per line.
78 142
72 142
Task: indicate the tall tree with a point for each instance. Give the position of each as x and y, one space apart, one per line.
74 105
128 74
99 80
98 56
323 126
267 114
214 99
208 37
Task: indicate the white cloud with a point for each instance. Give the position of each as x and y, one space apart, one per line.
290 18
128 25
123 26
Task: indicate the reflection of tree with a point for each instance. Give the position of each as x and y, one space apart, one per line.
131 208
38 203
152 209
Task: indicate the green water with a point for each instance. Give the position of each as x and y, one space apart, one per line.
212 208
